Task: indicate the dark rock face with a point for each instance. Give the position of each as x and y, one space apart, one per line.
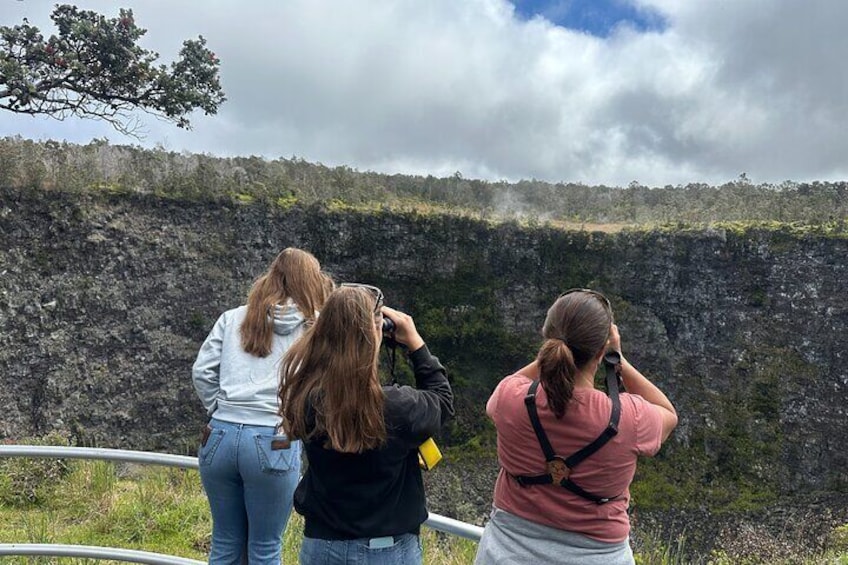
105 300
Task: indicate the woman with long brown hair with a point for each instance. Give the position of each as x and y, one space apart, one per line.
362 495
248 466
568 451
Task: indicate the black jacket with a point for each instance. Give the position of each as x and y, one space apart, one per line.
379 492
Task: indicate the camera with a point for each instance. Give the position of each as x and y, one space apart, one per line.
388 326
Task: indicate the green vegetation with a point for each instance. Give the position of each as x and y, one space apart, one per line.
839 539
728 463
474 313
28 481
94 68
163 510
655 552
102 169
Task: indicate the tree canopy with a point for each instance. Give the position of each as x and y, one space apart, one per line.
94 68
101 167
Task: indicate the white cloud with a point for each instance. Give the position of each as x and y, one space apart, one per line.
439 86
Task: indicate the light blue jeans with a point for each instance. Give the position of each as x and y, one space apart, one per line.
404 550
250 487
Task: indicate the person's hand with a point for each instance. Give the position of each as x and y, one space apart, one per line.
405 332
614 341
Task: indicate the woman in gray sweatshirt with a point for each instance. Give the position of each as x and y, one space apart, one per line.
248 466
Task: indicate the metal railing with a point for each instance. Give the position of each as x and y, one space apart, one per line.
434 521
94 552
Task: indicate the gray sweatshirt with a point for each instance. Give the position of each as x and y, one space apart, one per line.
236 386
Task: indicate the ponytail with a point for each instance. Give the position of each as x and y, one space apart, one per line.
557 371
576 329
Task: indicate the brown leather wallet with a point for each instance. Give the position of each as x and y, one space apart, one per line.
204 435
280 444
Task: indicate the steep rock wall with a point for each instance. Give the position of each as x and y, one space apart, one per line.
104 301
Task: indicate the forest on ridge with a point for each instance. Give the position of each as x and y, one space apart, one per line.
101 166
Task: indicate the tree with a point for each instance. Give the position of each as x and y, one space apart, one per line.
94 69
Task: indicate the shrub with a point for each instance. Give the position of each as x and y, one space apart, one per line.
28 481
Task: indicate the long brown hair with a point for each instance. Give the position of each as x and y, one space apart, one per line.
294 274
576 329
333 367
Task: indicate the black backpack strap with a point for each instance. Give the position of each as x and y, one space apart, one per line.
547 449
556 464
528 480
572 486
613 371
530 403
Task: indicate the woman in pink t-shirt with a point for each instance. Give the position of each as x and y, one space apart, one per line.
545 511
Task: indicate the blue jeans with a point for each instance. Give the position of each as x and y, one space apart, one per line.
250 487
404 550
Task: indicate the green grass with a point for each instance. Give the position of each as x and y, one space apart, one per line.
157 509
98 503
164 510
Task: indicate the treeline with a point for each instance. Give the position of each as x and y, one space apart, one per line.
100 166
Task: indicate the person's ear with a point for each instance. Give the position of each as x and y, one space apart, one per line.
600 355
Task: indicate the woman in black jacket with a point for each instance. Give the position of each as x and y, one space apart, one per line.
362 495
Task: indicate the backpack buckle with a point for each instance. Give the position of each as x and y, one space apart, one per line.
558 470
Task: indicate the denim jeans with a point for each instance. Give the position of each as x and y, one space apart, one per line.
250 487
405 550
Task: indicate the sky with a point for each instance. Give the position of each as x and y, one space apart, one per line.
660 92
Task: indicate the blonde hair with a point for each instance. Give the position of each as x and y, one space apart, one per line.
294 274
333 368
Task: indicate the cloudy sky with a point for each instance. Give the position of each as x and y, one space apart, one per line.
593 91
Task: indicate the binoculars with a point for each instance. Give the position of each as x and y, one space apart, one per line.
428 452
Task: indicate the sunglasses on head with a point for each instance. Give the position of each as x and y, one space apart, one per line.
603 299
376 292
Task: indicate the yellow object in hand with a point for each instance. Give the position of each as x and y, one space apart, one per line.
428 454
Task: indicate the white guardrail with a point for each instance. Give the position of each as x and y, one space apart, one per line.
434 521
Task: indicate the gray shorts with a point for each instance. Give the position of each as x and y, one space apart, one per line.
511 540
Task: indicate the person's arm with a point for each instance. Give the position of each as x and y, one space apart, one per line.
636 383
430 404
431 380
205 373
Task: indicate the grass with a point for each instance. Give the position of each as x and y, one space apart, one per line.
164 510
157 509
98 503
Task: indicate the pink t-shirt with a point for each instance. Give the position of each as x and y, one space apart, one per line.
608 472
